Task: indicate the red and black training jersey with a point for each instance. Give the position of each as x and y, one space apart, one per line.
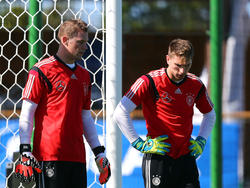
61 94
172 113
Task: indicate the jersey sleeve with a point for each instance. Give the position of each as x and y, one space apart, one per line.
203 101
138 90
33 88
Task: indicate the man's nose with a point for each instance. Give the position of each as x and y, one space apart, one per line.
182 70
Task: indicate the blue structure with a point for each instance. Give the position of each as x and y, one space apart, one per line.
131 158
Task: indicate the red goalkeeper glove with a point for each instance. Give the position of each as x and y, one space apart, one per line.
26 165
102 164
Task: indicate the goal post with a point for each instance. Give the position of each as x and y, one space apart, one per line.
35 21
216 91
113 87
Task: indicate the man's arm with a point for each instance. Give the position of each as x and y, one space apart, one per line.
26 121
122 117
207 124
89 128
91 136
197 146
27 162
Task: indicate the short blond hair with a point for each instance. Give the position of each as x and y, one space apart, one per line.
70 28
181 48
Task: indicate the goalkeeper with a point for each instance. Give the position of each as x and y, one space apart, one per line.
58 95
167 96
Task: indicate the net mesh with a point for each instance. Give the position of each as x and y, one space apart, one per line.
16 47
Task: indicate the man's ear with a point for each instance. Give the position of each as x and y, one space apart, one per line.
65 40
167 59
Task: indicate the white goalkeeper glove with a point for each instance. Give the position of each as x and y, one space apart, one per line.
102 164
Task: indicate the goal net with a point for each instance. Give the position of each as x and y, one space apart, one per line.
19 20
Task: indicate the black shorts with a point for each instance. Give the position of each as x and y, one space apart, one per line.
61 174
166 172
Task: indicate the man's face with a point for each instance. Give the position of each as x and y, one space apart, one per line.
178 67
77 45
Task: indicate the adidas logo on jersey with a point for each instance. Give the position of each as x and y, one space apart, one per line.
178 91
73 76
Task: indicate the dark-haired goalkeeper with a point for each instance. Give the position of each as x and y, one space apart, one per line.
58 95
167 96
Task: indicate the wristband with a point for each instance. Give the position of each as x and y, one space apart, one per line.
99 149
24 148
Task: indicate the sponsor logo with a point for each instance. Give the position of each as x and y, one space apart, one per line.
166 98
60 86
178 91
73 76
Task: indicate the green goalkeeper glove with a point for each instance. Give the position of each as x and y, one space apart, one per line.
197 146
155 145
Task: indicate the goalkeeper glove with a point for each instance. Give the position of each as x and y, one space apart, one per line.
26 164
102 164
155 145
197 146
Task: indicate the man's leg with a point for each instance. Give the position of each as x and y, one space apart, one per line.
61 174
187 172
157 171
78 175
51 176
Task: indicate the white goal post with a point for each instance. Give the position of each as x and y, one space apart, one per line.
102 59
113 87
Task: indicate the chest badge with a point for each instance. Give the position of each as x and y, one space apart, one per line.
166 98
190 99
60 85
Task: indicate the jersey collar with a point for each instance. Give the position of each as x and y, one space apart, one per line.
61 61
173 82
